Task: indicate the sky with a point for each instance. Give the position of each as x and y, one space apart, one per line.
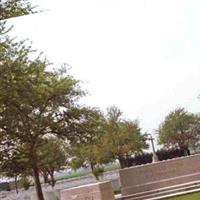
142 56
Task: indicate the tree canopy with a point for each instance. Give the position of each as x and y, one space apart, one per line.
52 157
179 129
42 123
15 8
88 152
34 103
115 138
123 138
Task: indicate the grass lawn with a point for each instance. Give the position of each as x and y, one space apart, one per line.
107 168
193 196
73 175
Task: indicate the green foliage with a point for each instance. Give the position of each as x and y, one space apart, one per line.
14 8
9 9
25 182
179 129
98 171
52 157
76 162
14 165
122 138
11 162
88 152
34 102
110 138
52 153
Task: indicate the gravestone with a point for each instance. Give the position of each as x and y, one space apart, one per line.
161 174
95 191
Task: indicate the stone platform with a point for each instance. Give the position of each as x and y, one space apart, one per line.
95 191
153 176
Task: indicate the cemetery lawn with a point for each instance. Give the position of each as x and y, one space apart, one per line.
110 167
193 196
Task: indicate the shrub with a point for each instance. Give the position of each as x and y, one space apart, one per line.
25 182
98 171
163 154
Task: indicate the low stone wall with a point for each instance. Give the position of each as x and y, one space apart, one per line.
12 185
4 186
97 191
161 174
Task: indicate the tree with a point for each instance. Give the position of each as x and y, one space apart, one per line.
114 139
88 152
123 138
34 103
15 8
179 129
53 157
14 166
88 155
8 9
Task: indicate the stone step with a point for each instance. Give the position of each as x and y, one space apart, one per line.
162 191
175 194
165 188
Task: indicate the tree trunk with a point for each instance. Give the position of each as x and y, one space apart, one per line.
16 185
52 178
92 166
37 183
93 171
45 177
186 151
122 162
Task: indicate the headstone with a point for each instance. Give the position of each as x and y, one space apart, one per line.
95 191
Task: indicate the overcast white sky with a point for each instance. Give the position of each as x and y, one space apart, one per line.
142 56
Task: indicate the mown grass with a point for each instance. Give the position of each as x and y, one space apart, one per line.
193 196
75 174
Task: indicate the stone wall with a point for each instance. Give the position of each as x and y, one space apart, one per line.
161 174
12 185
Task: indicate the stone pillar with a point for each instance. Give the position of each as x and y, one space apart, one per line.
95 191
